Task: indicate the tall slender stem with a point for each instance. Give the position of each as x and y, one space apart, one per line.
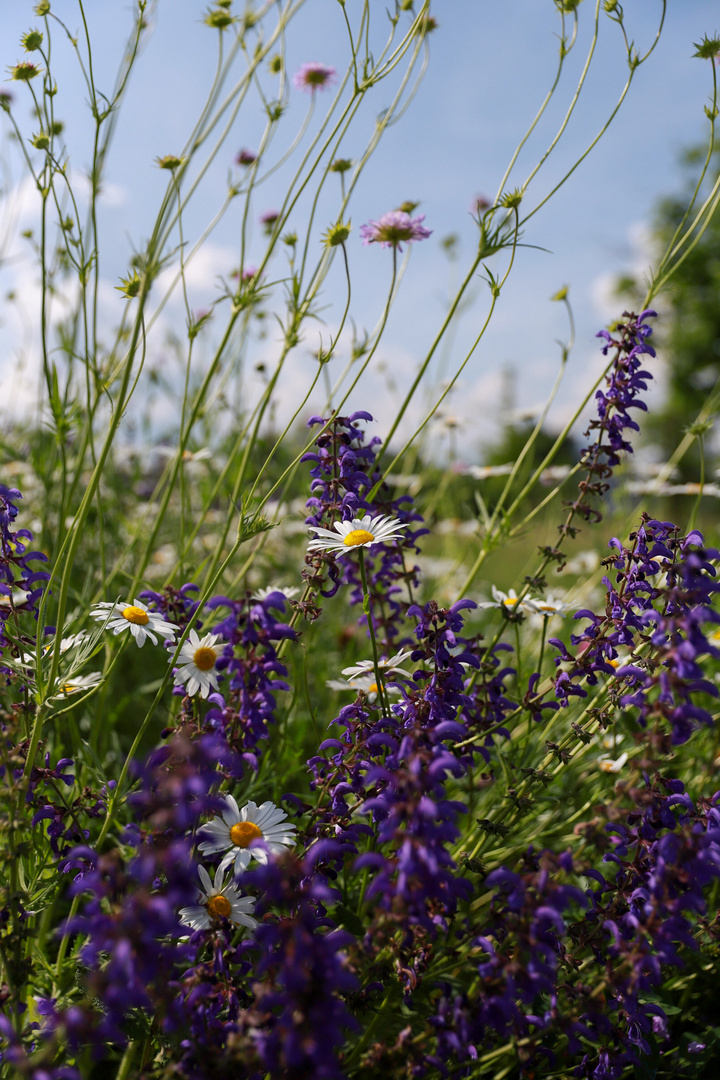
368 613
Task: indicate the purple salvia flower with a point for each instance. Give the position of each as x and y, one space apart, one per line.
20 586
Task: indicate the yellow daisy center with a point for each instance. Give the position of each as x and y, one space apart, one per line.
511 601
614 662
358 537
204 658
372 688
135 615
219 905
245 831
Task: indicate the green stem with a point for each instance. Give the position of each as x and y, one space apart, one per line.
371 629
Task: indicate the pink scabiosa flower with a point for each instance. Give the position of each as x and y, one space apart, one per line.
245 275
268 219
245 157
394 229
313 76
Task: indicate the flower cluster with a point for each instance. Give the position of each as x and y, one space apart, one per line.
542 932
252 671
342 478
654 615
133 950
20 585
625 381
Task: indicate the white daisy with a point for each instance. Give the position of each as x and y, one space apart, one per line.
509 600
367 667
484 472
553 474
218 900
135 617
196 664
606 764
366 683
236 829
28 659
289 592
73 684
552 605
360 532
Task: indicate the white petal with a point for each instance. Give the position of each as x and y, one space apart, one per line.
242 860
211 847
205 878
245 920
196 917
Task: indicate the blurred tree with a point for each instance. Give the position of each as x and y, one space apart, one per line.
688 334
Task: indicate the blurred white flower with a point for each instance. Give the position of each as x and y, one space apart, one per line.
484 472
288 591
606 764
509 600
366 683
554 474
553 606
367 667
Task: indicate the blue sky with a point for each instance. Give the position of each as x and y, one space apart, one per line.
490 67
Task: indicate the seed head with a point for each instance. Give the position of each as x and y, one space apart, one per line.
708 48
32 40
427 25
511 199
169 161
218 18
24 71
337 234
130 286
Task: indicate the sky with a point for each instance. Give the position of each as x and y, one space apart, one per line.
490 67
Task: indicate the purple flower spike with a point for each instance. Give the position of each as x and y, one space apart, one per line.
394 229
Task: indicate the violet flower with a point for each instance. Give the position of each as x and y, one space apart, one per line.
394 229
